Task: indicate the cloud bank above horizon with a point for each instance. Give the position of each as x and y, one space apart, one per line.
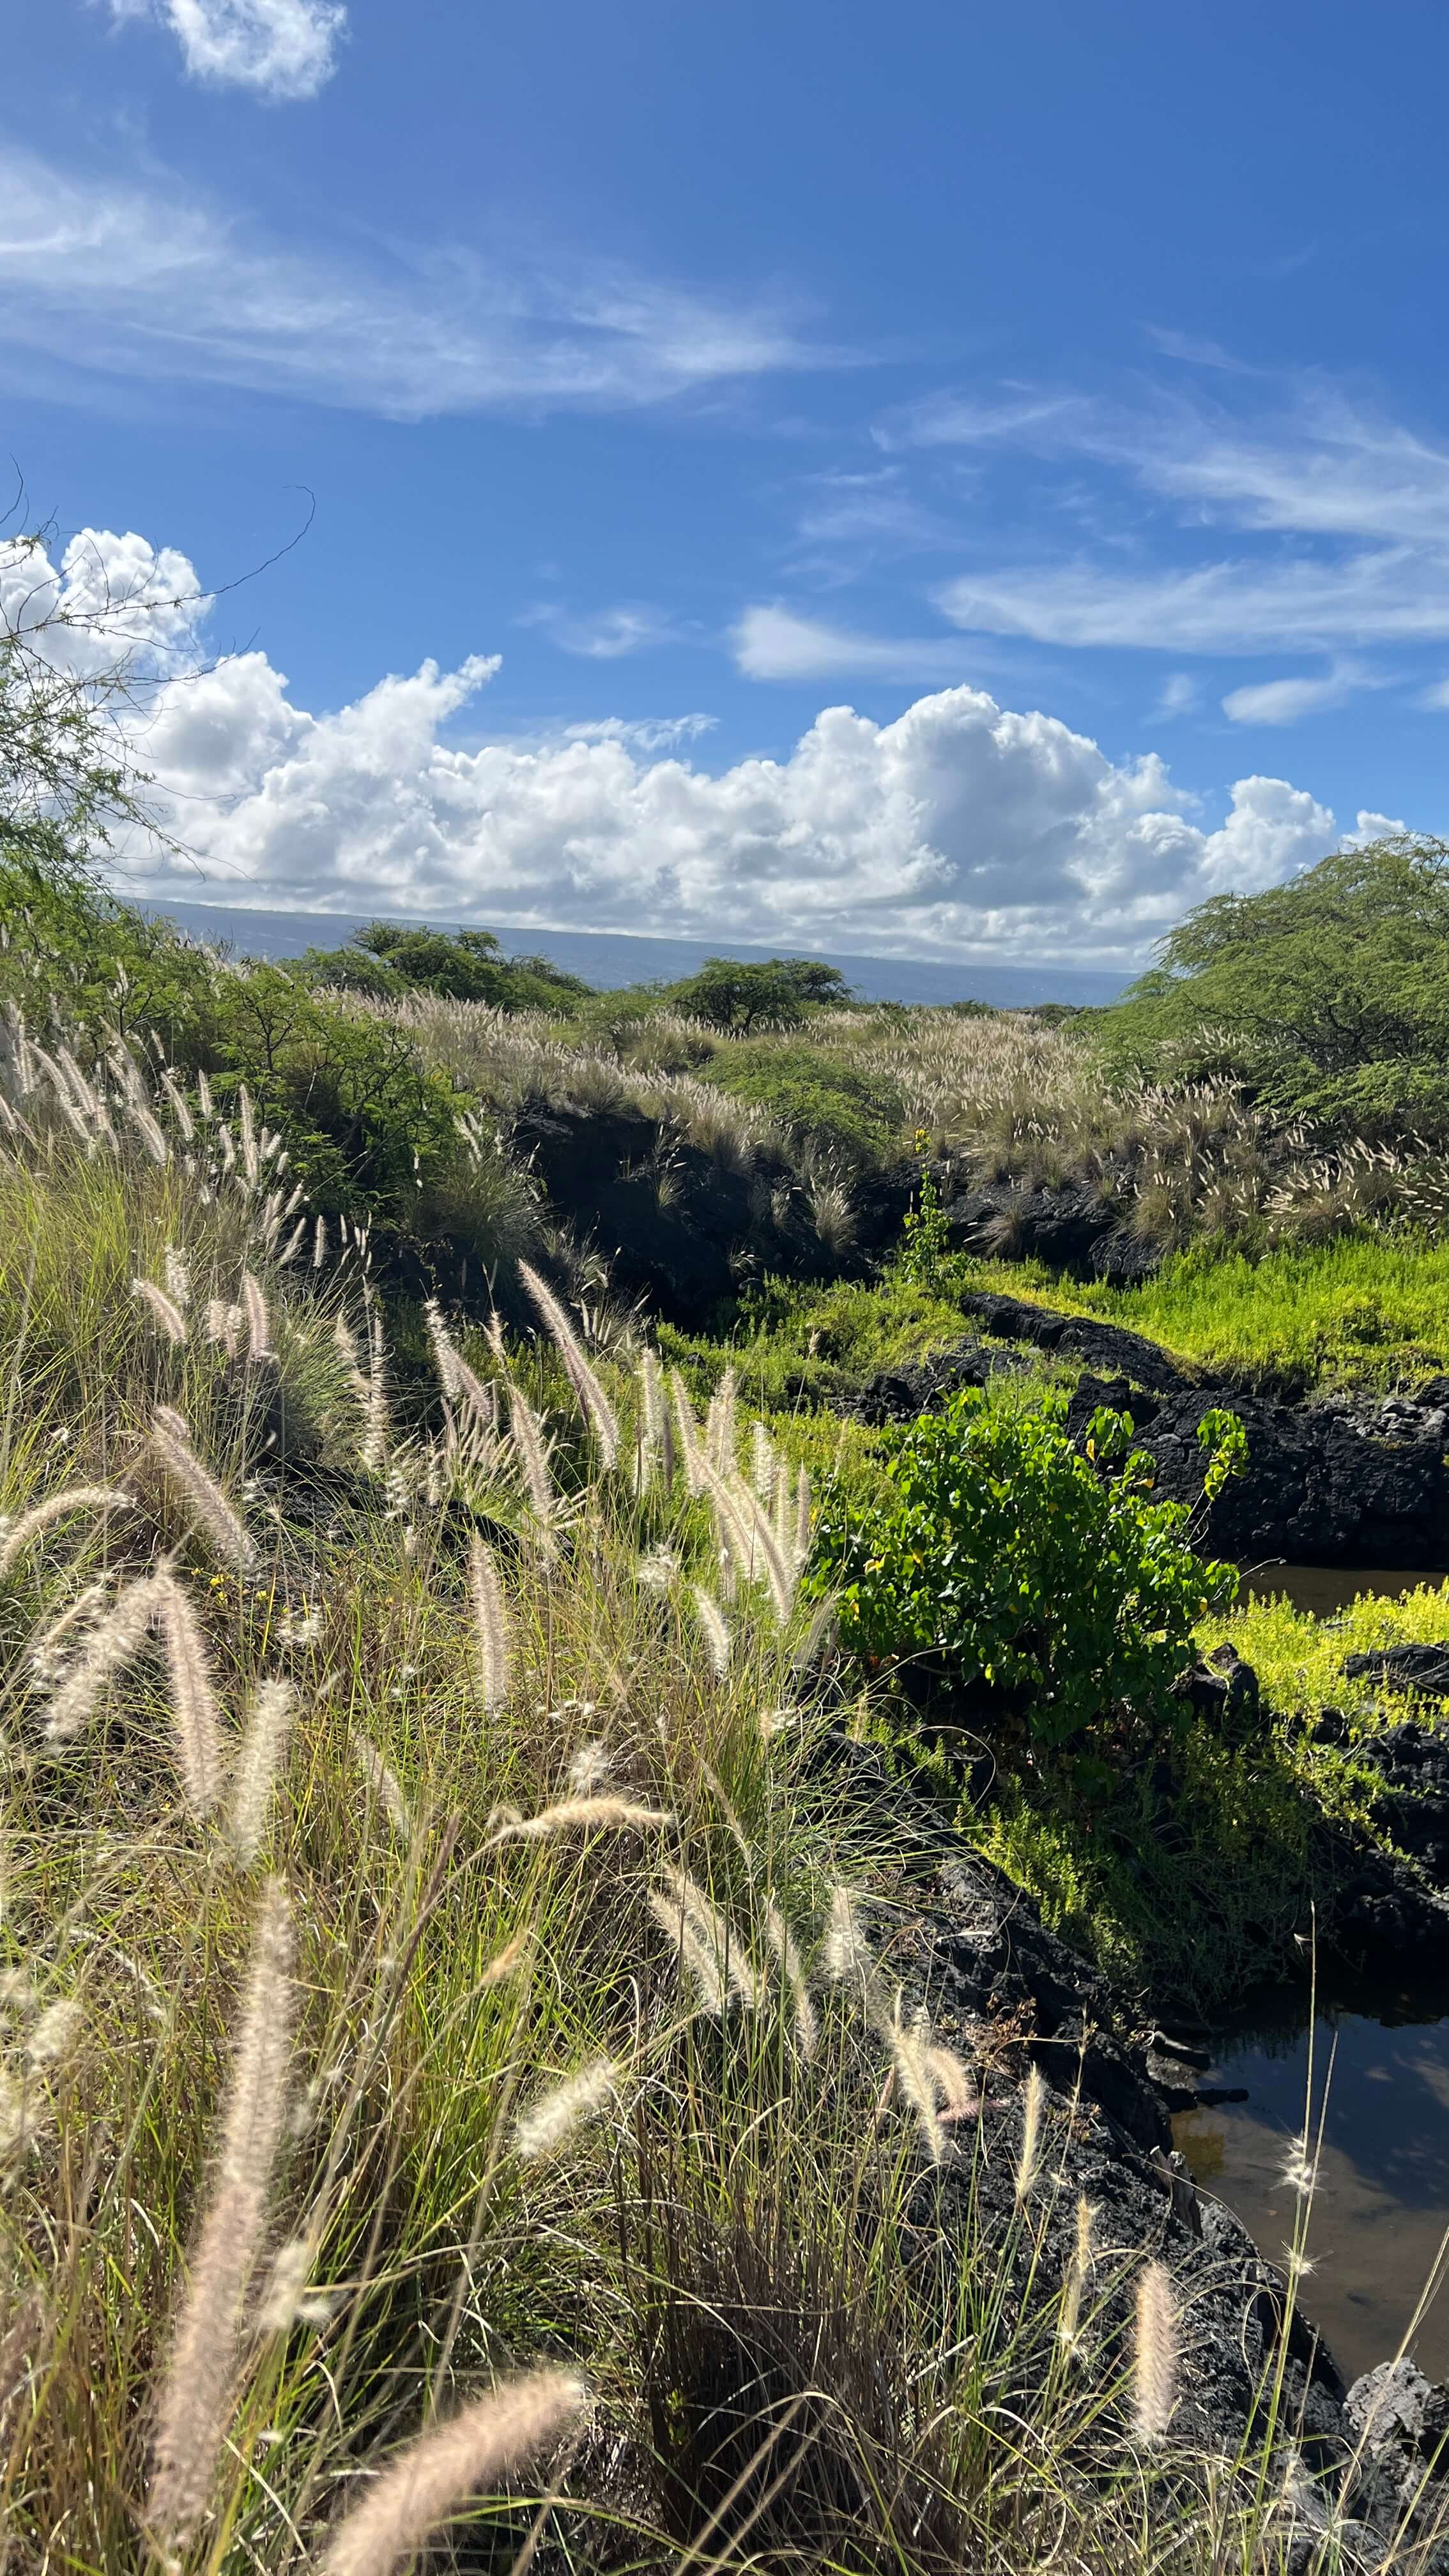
962 828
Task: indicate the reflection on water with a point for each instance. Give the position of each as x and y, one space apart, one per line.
1382 2203
1323 1589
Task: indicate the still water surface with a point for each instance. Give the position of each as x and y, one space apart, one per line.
1325 1589
1382 2203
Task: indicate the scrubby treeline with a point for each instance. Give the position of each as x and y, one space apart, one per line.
1275 1083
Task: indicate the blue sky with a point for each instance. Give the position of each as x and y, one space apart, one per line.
1057 391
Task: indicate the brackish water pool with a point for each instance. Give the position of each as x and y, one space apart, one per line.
1325 1589
1382 2203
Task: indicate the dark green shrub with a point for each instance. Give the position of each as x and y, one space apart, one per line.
769 993
1006 1555
391 957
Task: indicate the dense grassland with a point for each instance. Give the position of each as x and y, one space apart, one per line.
441 2006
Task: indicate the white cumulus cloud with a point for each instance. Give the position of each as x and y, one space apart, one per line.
283 49
962 828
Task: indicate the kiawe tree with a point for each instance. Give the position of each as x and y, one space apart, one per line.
1329 995
773 993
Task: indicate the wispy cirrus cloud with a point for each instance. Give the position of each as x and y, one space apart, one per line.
609 634
145 278
282 49
1356 506
1235 606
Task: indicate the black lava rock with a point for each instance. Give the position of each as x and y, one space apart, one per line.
1321 1487
1423 1669
1105 1346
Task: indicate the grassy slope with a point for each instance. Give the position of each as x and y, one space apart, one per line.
447 1980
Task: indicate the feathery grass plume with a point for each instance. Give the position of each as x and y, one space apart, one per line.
589 1815
764 1464
176 1102
1299 2168
693 1953
490 1620
646 1428
441 2468
160 1309
149 1132
260 1759
259 1322
817 1638
57 1507
346 1341
382 1783
193 2411
377 1431
654 1437
529 1442
444 1356
910 2056
178 1278
542 2131
251 1159
780 1511
590 1768
732 1529
458 1381
286 2301
718 1641
959 2097
720 1436
195 1718
293 1244
54 2034
1078 2274
691 1456
1154 2354
110 1645
750 1536
1029 2153
845 1957
716 1934
222 1325
88 1604
792 1970
319 1243
597 1411
209 1506
660 1569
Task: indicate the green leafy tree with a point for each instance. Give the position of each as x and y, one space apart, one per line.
389 957
1328 995
775 993
1017 1559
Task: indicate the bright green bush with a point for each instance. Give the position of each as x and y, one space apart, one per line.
1005 1553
